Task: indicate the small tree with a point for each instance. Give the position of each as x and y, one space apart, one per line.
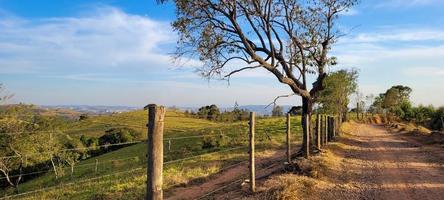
203 112
17 141
336 95
213 112
83 117
71 158
277 111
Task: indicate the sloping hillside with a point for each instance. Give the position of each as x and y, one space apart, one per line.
194 150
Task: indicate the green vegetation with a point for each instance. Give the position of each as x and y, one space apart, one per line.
213 113
277 111
339 86
96 171
396 102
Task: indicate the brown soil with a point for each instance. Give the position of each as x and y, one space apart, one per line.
373 163
393 165
268 163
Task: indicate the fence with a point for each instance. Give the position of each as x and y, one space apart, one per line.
326 131
161 159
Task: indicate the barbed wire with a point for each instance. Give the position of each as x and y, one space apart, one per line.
74 130
199 136
201 155
51 170
76 182
74 149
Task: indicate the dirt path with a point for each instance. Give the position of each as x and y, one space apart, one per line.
384 165
270 162
372 163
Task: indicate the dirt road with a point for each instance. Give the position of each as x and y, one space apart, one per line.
372 163
384 165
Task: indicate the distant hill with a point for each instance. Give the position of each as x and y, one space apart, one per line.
99 110
94 109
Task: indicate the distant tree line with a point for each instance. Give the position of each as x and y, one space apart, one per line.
213 113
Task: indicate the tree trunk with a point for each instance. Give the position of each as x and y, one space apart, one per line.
306 114
344 116
8 179
17 182
72 170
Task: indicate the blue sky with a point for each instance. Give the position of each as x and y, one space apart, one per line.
117 52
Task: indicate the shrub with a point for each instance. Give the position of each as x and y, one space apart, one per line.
437 122
89 141
117 135
209 142
83 117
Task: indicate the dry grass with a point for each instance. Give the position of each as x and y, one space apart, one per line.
315 178
289 186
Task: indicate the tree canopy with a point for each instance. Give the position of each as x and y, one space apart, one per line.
289 39
338 88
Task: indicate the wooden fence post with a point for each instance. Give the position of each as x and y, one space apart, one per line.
326 129
331 128
156 116
333 122
252 166
318 131
288 139
322 130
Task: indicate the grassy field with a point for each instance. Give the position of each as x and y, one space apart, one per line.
121 174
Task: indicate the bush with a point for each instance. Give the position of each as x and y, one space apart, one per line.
117 135
83 117
89 141
423 114
437 122
209 142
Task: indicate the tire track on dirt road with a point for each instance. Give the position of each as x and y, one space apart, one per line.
394 166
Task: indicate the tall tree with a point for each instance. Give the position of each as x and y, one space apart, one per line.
290 39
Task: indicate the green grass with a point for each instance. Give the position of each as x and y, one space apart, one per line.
270 134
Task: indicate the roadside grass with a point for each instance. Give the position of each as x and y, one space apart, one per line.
313 182
230 147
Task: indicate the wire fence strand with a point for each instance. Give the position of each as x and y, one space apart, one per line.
68 184
201 155
82 165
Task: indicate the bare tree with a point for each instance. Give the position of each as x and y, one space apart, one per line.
290 39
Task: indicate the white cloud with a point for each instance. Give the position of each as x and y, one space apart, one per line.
108 39
425 71
410 57
406 3
397 35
